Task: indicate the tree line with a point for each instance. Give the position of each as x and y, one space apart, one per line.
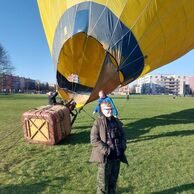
10 83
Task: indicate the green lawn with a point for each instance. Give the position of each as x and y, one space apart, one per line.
160 136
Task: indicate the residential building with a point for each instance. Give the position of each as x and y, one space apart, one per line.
191 84
11 83
163 84
122 90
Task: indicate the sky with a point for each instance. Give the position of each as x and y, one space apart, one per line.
22 35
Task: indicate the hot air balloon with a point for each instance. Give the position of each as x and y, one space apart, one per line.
103 44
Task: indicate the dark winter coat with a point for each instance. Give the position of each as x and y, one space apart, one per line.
98 138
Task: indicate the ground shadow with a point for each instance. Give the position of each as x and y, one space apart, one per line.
56 183
168 134
178 189
125 190
138 128
32 188
134 130
78 136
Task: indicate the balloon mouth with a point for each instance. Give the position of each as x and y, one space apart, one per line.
83 56
81 66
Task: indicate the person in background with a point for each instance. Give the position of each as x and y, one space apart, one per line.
52 98
104 98
108 145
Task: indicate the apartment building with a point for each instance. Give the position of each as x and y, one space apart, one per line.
122 90
163 84
191 84
11 83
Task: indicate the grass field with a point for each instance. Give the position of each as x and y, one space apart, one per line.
160 139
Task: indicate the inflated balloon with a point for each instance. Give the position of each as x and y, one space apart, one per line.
102 44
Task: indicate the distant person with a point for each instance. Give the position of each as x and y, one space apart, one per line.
52 98
108 145
127 97
104 98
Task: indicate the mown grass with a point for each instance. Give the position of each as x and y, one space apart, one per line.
160 138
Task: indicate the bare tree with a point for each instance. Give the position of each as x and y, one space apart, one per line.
6 66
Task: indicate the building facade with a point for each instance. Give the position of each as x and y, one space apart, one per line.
191 84
125 90
163 84
15 84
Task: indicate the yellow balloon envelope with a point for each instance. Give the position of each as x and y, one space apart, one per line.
102 44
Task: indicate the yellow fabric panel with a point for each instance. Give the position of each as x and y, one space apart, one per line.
86 60
51 12
63 94
134 11
189 13
116 6
163 29
68 58
80 99
172 24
